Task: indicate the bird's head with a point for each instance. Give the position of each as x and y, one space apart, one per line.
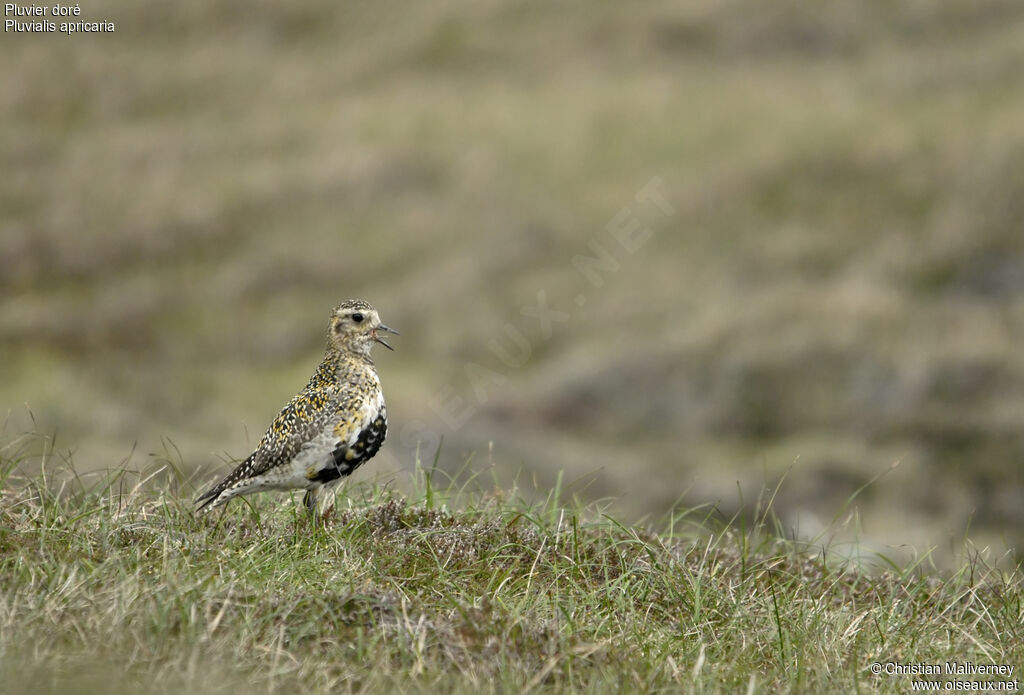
355 326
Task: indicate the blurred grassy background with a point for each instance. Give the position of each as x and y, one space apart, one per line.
840 286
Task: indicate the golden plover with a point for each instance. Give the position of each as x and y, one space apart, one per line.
335 424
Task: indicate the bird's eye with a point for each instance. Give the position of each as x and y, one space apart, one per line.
358 318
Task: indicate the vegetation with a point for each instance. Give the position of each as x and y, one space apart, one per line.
115 586
839 286
835 298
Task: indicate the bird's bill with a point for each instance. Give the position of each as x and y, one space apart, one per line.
380 340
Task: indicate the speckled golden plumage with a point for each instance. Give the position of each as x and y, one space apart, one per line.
331 427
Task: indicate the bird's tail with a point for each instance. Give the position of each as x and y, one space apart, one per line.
208 499
213 497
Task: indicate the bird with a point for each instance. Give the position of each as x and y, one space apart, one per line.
331 427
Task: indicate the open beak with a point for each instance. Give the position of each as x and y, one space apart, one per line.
380 340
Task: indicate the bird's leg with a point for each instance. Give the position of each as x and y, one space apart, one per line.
310 500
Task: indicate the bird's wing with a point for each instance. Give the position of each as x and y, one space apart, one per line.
306 417
338 416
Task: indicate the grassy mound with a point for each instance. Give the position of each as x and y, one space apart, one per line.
117 587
